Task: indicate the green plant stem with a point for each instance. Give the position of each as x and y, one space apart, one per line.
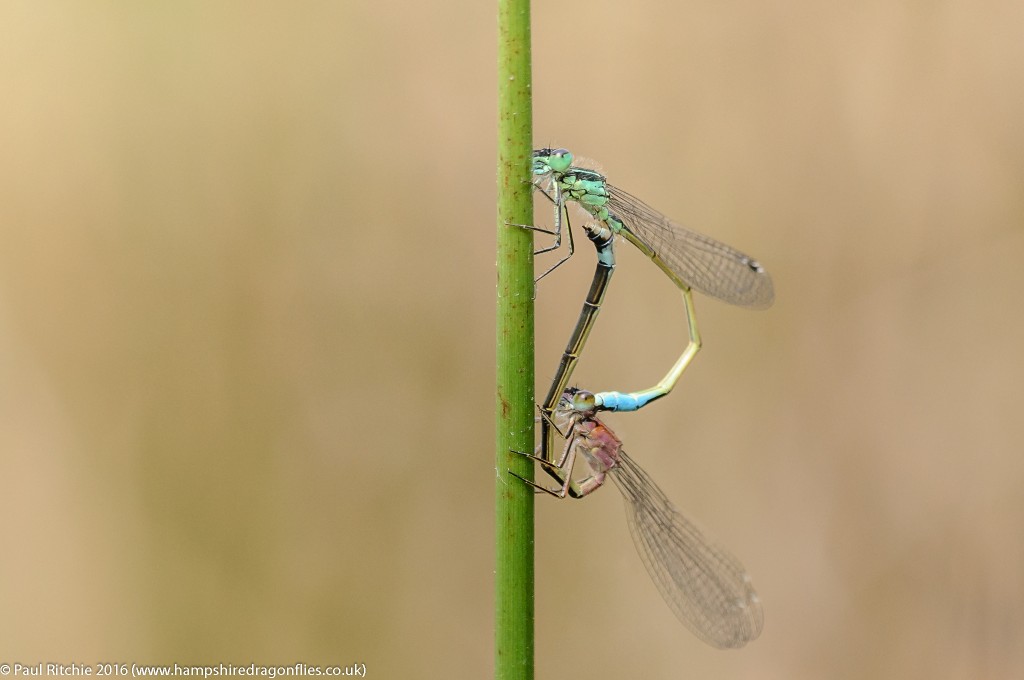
515 401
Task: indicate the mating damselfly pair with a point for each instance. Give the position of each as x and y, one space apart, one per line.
706 587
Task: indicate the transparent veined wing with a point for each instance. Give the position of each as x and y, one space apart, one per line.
700 261
706 587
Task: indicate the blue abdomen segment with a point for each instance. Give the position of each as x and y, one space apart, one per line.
618 401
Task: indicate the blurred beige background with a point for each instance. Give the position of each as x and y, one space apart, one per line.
247 333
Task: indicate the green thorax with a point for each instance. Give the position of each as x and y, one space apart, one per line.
590 190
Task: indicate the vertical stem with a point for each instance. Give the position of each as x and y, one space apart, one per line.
515 400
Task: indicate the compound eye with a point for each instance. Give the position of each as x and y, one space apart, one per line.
560 160
584 401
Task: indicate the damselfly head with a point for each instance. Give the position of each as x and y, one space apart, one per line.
551 160
578 401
